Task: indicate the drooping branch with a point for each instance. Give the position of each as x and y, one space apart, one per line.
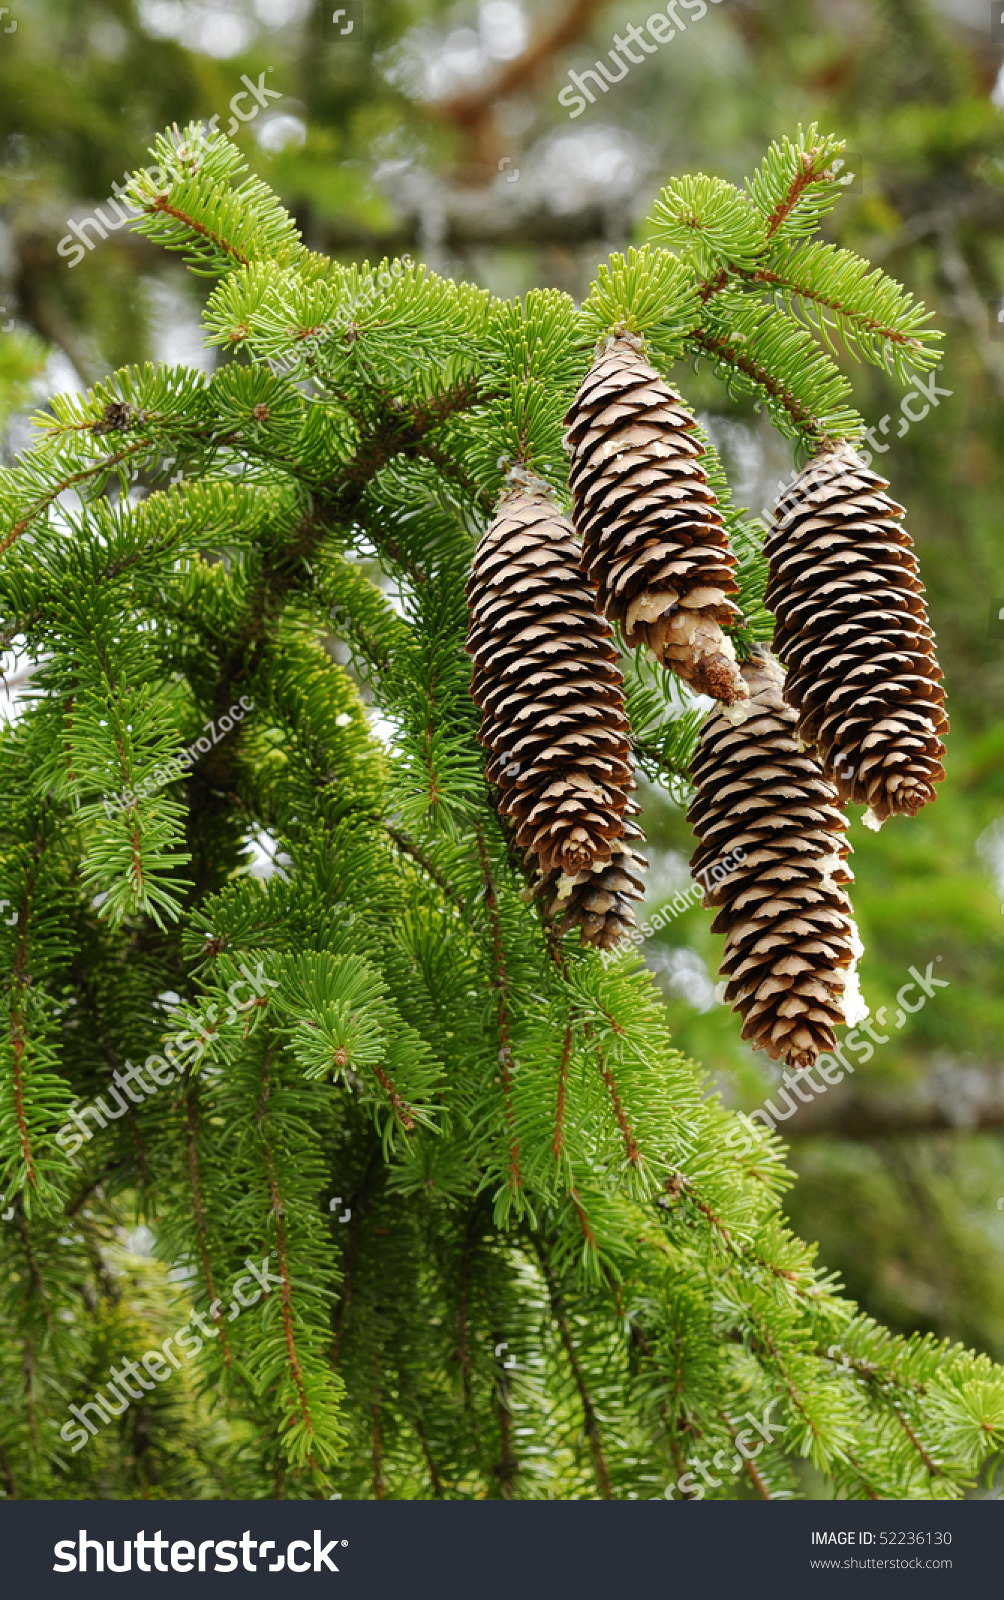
20 982
883 1382
278 1211
334 507
631 1149
750 1465
198 1209
423 1439
558 1142
500 983
727 353
590 1421
409 847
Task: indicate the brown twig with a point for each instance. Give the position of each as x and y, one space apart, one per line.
473 113
558 1142
590 1421
720 348
500 983
805 175
286 1291
194 1178
406 843
20 980
755 1478
161 207
631 1148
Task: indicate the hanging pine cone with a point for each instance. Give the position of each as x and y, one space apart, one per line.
652 533
547 681
852 630
773 858
598 902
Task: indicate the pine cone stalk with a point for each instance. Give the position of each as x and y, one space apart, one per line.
853 631
773 859
653 537
547 681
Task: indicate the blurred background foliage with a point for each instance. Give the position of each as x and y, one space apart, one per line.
435 128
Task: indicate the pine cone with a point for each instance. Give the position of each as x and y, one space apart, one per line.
852 629
546 678
773 855
598 902
653 539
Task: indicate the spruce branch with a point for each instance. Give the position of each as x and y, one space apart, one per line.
876 319
192 206
748 1463
410 848
500 985
558 1142
590 1421
759 351
198 1209
798 182
286 1299
449 1076
665 731
631 1151
710 221
648 293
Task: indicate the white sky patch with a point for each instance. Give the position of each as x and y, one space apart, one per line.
585 166
384 729
668 873
431 65
990 849
685 975
503 29
280 13
755 457
856 1007
162 19
139 1241
280 132
223 29
108 39
58 376
265 859
17 672
176 334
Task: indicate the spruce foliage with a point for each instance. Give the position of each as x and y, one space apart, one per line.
512 1247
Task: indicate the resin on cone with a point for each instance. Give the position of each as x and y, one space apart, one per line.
547 680
791 946
653 540
852 629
